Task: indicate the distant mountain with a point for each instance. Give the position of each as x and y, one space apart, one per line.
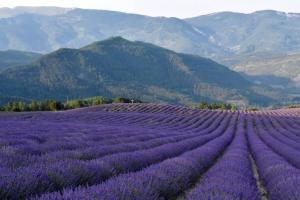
118 67
217 36
265 45
262 31
11 58
79 27
19 10
277 70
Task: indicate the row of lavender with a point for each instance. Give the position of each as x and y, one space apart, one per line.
47 152
230 178
148 151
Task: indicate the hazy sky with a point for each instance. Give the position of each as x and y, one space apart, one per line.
175 8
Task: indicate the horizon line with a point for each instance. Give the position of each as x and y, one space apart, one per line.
134 13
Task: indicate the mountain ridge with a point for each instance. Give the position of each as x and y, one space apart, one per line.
119 67
181 35
55 10
205 35
6 12
221 36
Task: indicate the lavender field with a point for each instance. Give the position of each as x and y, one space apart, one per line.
148 152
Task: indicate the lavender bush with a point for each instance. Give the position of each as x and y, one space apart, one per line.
150 151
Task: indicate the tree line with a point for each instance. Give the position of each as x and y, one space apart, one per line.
53 105
216 106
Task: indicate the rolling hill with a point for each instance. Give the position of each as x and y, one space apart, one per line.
118 67
11 58
275 70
